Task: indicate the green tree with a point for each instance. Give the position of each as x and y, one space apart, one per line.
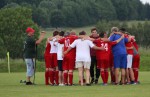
57 18
41 17
13 23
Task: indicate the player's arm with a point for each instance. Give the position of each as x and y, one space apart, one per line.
129 48
118 40
41 37
117 33
65 52
62 52
105 39
73 45
95 47
98 48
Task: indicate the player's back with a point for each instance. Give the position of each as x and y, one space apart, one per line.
47 49
119 48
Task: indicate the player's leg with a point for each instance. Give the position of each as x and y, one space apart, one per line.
129 66
136 63
56 71
30 70
60 62
97 71
123 66
47 66
52 70
79 65
123 76
71 68
111 67
117 63
92 69
87 70
65 70
102 72
70 74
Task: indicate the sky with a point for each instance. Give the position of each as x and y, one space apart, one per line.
144 1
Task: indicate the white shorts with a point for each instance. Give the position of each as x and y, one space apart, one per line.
83 64
30 67
129 61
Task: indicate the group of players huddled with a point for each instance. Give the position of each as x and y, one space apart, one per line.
66 51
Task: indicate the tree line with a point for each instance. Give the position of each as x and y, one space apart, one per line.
76 13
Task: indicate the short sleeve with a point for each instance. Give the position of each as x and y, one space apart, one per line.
91 44
73 45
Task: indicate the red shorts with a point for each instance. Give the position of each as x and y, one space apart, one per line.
68 63
136 61
47 61
53 62
102 64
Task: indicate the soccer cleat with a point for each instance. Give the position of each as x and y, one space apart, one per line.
92 81
29 83
96 81
132 83
88 84
104 84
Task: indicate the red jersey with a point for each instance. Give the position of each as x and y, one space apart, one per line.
129 44
67 41
92 51
47 49
136 46
103 54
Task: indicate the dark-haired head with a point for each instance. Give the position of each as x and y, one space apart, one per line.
93 29
82 33
123 30
55 33
102 34
61 33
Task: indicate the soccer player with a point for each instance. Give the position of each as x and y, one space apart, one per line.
136 62
53 60
94 35
30 52
69 59
47 62
103 56
83 58
129 70
60 59
120 56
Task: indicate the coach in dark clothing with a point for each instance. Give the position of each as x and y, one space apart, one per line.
30 52
93 59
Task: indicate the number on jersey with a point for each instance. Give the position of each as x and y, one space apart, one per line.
105 45
67 43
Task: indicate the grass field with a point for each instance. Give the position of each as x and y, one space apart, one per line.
10 87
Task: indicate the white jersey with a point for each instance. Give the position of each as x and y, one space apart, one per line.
54 46
59 52
82 49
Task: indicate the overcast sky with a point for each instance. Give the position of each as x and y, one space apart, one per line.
144 1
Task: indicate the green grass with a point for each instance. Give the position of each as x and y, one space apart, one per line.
10 87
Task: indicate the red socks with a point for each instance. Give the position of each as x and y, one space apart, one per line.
136 74
56 77
46 78
106 76
103 76
65 78
70 78
51 74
